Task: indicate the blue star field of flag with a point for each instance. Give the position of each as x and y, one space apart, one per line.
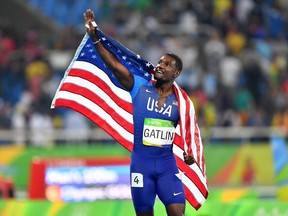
133 62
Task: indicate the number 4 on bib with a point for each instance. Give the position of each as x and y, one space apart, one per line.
136 180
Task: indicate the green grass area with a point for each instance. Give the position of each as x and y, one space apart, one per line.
125 208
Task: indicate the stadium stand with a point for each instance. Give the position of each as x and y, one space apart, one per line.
234 53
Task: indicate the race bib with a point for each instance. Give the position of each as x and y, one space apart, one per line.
158 132
137 180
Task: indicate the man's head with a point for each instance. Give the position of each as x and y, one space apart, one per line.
179 63
168 68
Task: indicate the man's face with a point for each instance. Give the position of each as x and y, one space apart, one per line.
166 70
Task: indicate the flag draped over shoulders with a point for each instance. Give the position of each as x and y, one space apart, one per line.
89 87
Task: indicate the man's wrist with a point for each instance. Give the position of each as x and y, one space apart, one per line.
96 41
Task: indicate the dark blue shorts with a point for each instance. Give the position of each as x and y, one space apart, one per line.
155 176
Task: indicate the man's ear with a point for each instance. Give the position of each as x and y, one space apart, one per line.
177 73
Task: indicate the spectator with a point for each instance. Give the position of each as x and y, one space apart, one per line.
227 42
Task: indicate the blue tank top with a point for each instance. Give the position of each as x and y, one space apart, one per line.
153 128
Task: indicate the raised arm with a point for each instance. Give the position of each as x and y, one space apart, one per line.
124 77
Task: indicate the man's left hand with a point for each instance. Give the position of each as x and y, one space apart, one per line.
188 159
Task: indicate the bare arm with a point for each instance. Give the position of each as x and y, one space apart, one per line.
124 77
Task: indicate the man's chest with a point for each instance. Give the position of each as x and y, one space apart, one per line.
146 103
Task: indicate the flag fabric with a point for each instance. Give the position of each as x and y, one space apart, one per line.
89 87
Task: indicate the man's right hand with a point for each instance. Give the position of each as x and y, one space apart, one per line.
89 19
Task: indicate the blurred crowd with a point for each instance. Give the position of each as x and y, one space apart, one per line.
234 52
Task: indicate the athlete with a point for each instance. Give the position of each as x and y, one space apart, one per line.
153 167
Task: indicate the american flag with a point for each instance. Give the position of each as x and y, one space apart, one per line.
90 88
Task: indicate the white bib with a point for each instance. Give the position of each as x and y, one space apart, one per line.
158 132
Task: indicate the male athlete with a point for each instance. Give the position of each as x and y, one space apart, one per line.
153 167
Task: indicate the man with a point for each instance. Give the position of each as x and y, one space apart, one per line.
153 167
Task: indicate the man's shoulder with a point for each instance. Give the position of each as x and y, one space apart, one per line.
138 83
139 80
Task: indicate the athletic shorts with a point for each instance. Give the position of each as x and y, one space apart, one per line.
155 176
